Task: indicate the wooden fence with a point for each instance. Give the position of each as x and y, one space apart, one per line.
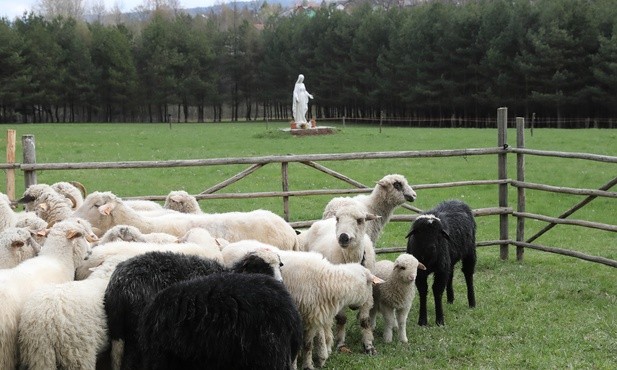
29 166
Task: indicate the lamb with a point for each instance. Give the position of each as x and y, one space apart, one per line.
234 252
136 281
64 325
16 246
251 321
393 298
439 238
132 234
36 225
182 201
65 248
105 210
390 192
320 290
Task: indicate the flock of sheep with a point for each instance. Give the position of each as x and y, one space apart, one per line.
94 281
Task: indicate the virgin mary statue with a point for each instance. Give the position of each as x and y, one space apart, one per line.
300 101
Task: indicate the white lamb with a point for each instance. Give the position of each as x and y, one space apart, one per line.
105 210
181 201
16 246
65 248
393 298
389 193
65 325
320 289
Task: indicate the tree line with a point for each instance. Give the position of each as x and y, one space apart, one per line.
437 60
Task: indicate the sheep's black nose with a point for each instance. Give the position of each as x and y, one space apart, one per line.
343 240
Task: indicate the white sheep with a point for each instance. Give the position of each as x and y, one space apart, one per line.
65 325
29 220
8 217
390 192
65 248
129 233
181 201
393 298
105 210
16 246
52 207
320 289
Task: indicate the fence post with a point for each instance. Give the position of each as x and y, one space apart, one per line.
502 170
520 176
10 158
285 179
29 148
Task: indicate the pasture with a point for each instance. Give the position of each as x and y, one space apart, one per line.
547 311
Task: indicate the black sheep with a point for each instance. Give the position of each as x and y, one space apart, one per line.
136 281
223 321
439 238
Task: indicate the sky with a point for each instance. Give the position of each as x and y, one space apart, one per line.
15 8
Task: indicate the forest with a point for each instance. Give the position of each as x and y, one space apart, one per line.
435 60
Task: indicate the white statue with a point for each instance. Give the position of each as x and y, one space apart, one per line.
300 101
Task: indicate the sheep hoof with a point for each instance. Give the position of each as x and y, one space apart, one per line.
344 349
370 350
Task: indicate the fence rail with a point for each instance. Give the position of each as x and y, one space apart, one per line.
504 210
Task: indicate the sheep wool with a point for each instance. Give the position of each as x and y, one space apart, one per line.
251 321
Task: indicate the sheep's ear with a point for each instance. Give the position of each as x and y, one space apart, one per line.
377 280
91 238
421 266
72 234
106 209
26 199
382 183
371 217
445 234
42 207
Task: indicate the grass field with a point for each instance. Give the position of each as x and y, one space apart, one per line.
547 311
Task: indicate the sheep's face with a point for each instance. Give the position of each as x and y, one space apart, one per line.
426 235
351 222
181 201
406 268
397 189
19 242
97 209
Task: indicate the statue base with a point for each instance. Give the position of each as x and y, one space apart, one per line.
303 125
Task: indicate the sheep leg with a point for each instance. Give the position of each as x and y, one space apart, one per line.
469 265
307 351
321 347
422 285
367 332
389 324
401 317
439 285
341 320
449 287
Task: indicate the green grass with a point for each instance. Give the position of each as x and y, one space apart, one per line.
547 311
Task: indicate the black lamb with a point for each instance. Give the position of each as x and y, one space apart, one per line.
439 238
136 281
223 321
